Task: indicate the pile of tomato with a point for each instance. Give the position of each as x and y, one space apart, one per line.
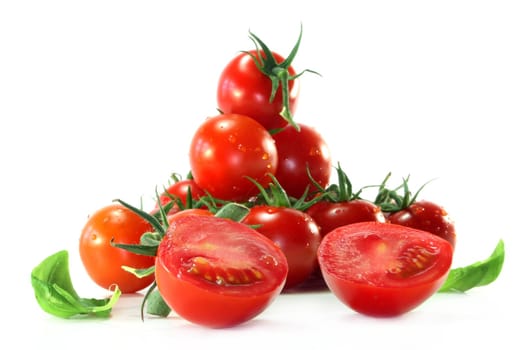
257 215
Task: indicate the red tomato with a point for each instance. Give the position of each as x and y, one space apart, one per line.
104 262
217 272
297 152
330 215
244 89
179 190
294 232
426 216
228 148
381 269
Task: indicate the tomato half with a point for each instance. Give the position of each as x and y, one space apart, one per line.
228 148
426 216
244 89
216 272
300 152
102 261
172 217
382 269
295 232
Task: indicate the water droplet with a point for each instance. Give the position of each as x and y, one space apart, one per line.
314 151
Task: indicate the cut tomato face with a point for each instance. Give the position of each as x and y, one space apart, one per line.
216 272
383 269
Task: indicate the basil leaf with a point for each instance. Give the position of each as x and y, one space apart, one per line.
477 274
55 294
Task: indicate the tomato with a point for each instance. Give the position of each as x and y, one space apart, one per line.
382 269
244 89
225 150
179 190
426 216
330 215
297 152
217 272
102 261
295 232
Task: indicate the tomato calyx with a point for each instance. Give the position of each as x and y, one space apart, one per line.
275 195
211 272
342 191
277 72
390 201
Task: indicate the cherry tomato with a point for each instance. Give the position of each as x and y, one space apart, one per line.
295 232
225 150
102 261
244 89
298 152
426 216
217 272
330 215
179 190
382 269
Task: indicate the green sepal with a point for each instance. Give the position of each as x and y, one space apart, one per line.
478 274
55 294
148 250
277 72
156 304
233 211
140 273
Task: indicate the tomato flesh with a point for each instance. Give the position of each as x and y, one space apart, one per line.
216 272
383 269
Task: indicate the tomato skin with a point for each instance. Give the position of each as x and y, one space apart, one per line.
226 149
295 232
199 291
244 89
297 152
330 215
103 262
426 216
383 269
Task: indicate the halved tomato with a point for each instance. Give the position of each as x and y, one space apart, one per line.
217 272
383 269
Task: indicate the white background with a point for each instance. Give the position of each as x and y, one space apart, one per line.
99 99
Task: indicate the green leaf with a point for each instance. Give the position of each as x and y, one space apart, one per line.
478 274
233 211
140 273
55 294
156 304
140 249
